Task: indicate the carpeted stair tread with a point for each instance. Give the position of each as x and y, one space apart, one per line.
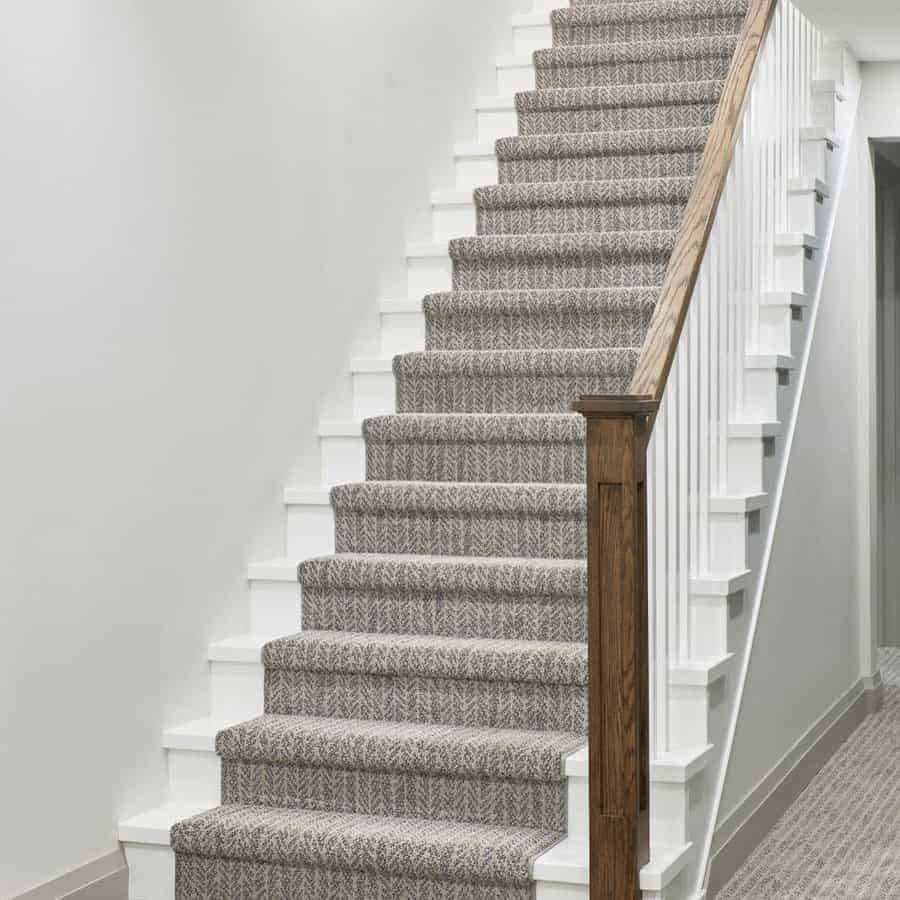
571 193
410 747
490 575
597 23
475 428
430 656
576 55
421 848
562 246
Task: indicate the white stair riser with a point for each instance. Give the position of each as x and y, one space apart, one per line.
548 5
577 814
828 111
343 459
309 530
452 220
809 212
151 871
512 79
374 394
711 620
835 62
670 817
766 394
428 275
819 160
475 171
194 777
556 890
528 38
795 269
274 607
752 465
733 539
496 123
781 330
697 714
237 690
402 332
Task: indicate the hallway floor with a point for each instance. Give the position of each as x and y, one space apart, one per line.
841 838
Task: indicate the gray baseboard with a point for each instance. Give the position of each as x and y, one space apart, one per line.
743 830
105 878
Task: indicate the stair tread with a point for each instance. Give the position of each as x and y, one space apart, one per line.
416 847
410 747
569 193
563 246
619 360
600 13
432 656
625 51
630 141
510 302
475 427
491 574
619 95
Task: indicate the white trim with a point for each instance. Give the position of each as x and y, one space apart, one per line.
106 877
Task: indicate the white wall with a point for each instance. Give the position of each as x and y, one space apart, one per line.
871 27
815 637
200 204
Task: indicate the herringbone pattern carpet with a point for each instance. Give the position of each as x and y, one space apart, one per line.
841 838
416 729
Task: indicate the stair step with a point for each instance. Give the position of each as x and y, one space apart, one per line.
522 685
477 447
576 318
508 381
553 261
656 153
698 58
617 107
572 206
461 519
653 20
359 850
497 598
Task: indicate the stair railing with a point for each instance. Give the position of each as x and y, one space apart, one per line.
618 431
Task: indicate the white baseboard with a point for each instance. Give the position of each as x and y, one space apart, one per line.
105 878
755 816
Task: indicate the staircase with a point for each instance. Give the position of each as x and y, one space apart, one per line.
417 727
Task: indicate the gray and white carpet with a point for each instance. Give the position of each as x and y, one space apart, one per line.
841 838
416 728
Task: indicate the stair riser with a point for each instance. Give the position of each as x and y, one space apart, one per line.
475 171
819 160
712 624
669 71
735 540
373 394
451 221
580 218
809 212
275 607
528 38
516 394
343 459
828 111
151 871
460 534
194 777
555 328
199 878
237 690
796 269
626 118
397 794
556 890
782 330
309 529
492 124
537 273
752 465
650 30
457 615
599 168
766 395
438 700
698 714
512 79
482 462
427 274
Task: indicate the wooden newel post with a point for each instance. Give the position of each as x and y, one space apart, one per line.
618 428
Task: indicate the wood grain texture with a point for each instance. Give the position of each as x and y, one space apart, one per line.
616 446
693 235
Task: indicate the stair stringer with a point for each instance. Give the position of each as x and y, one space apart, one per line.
840 68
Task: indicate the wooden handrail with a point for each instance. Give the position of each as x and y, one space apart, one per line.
659 348
618 431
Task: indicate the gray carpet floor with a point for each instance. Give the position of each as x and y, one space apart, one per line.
841 838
